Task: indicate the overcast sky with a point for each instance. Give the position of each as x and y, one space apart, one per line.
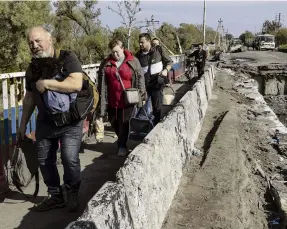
237 16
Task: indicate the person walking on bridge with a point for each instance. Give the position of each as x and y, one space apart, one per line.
156 64
48 134
200 58
120 63
155 42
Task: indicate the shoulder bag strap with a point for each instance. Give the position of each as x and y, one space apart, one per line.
119 79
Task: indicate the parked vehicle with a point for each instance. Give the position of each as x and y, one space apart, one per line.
236 45
264 42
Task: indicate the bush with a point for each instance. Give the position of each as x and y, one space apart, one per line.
283 46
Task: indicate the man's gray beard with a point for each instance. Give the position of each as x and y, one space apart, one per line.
43 54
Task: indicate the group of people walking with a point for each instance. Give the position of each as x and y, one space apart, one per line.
50 84
147 71
54 82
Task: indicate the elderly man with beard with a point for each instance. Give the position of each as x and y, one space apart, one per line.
47 133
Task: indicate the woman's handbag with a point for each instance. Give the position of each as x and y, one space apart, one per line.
132 95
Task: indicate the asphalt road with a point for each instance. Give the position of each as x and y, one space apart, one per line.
259 57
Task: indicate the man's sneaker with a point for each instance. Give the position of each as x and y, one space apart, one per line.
73 201
122 152
49 203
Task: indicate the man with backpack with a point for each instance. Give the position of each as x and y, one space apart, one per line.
65 127
156 64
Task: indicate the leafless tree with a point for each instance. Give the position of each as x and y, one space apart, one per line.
127 10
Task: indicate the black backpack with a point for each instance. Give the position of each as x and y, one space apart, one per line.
84 102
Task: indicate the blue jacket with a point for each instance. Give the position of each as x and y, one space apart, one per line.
58 102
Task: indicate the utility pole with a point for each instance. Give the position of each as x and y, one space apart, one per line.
226 40
276 23
222 33
152 21
218 31
204 19
279 21
219 34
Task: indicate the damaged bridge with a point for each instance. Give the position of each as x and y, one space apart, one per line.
217 160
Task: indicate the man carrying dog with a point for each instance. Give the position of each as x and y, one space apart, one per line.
39 79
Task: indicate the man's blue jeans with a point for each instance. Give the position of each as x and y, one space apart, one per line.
70 138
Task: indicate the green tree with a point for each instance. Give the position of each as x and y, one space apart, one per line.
63 32
121 32
134 44
247 37
281 36
92 39
188 34
127 10
167 35
210 34
15 19
229 36
271 27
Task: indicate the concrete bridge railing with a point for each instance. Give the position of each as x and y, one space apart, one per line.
149 178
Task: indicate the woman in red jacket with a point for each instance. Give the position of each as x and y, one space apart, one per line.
111 90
